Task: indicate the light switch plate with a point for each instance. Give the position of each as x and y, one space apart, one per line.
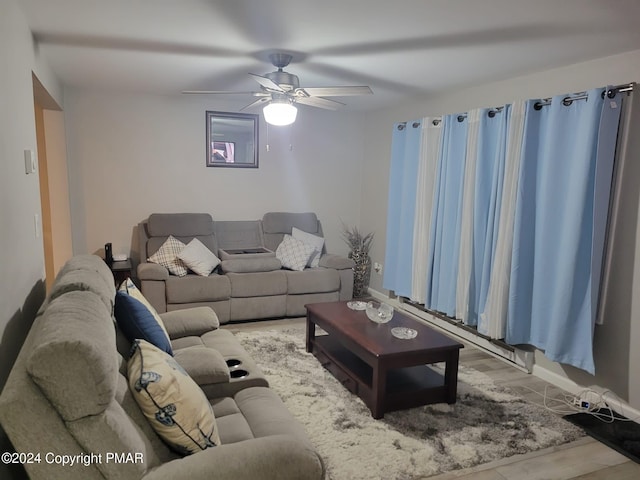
29 161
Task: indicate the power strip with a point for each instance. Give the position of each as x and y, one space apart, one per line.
583 404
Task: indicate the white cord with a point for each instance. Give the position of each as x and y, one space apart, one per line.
568 404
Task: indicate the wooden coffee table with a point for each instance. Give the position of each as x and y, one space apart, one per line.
387 373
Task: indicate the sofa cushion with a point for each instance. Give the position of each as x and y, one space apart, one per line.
258 284
315 280
238 234
294 254
137 322
283 222
173 403
315 241
194 288
248 265
167 256
190 321
74 359
233 426
179 224
204 365
85 280
198 258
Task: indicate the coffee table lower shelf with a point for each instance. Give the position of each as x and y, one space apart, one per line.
406 387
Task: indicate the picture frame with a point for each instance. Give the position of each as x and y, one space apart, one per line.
231 140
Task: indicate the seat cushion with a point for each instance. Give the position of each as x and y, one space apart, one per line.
315 280
258 284
194 288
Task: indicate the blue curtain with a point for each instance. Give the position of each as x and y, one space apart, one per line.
444 242
489 178
552 286
405 157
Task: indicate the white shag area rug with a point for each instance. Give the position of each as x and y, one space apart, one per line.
485 424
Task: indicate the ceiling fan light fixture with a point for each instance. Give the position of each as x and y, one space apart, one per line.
280 112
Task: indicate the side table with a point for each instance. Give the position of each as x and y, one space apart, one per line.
121 271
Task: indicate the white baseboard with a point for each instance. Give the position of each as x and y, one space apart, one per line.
519 358
525 364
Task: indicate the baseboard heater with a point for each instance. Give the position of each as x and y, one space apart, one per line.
520 358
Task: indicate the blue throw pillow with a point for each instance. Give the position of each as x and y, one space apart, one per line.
136 321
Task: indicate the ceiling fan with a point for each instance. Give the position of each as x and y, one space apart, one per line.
281 90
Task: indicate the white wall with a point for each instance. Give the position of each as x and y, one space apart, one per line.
21 253
133 155
623 375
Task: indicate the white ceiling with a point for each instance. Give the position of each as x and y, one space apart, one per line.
401 48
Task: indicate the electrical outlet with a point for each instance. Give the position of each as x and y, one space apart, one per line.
377 267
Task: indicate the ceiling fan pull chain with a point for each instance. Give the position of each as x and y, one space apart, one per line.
267 145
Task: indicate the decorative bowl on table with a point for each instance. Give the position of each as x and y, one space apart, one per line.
379 312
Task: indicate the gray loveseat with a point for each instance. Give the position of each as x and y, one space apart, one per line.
250 283
67 396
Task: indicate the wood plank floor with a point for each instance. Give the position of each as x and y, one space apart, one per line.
584 459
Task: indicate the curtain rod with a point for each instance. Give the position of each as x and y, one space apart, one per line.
568 100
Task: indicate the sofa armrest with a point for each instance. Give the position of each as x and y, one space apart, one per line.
193 321
205 365
152 271
277 457
330 260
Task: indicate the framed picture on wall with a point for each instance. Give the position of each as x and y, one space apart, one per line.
232 140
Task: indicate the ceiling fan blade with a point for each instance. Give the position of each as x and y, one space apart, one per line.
267 83
320 102
221 92
336 91
257 102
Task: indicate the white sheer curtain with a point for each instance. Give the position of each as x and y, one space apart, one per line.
466 229
493 319
621 246
429 154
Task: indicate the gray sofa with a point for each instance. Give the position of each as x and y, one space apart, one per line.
67 395
247 285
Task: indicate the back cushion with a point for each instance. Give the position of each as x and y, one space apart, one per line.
115 430
180 224
233 235
183 226
85 281
276 224
74 359
283 222
85 272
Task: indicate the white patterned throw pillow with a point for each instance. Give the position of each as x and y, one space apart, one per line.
167 256
173 403
294 254
315 241
198 258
